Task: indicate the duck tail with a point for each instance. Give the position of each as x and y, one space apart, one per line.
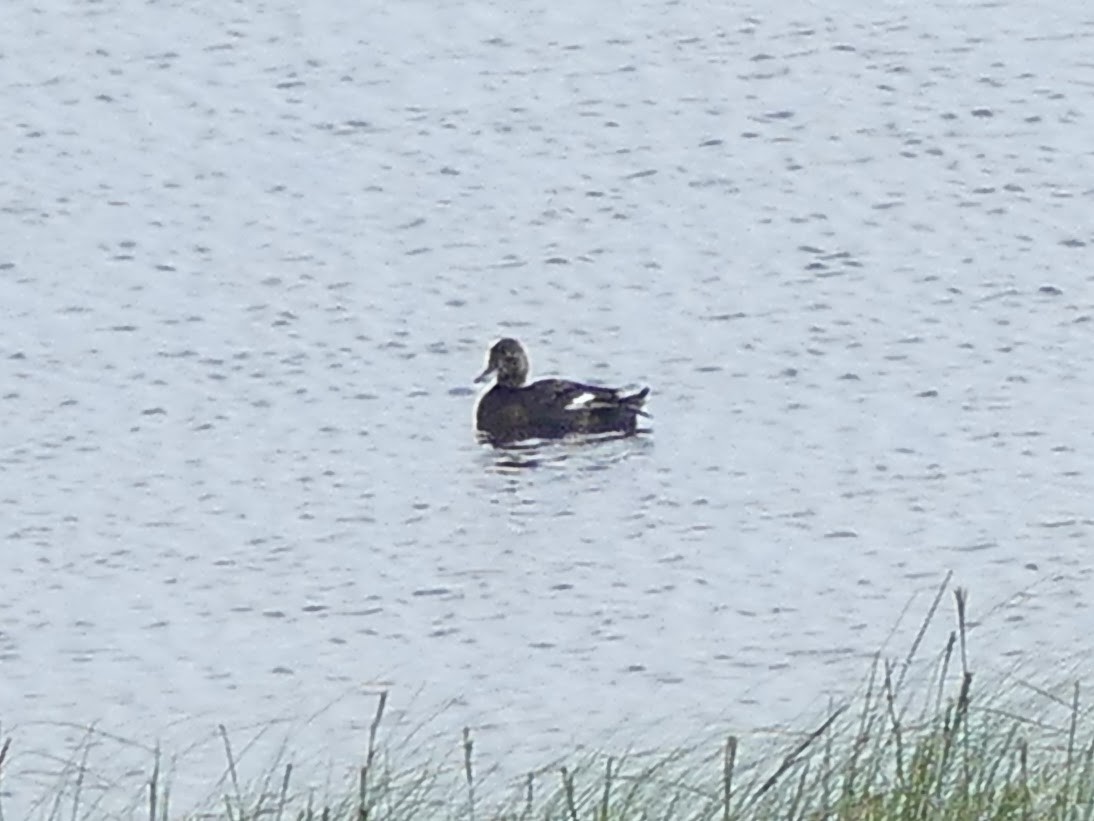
635 401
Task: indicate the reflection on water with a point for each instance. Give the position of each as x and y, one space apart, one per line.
534 453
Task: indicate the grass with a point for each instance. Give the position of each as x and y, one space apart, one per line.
941 748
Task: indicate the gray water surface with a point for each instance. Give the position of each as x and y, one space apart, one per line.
253 255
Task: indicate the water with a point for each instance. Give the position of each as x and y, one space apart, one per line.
253 257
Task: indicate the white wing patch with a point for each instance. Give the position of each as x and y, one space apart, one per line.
581 401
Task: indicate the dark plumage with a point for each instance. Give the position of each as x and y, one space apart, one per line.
511 411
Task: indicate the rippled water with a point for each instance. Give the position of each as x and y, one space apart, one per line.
253 257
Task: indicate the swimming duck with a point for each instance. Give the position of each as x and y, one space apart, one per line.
550 408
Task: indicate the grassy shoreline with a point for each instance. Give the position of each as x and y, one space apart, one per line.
945 747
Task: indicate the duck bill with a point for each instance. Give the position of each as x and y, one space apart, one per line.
485 375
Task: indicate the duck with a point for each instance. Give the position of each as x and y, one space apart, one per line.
511 411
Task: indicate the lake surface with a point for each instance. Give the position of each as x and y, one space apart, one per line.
253 255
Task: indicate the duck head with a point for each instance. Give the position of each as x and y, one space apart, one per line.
508 362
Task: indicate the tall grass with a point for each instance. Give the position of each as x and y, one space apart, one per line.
944 748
